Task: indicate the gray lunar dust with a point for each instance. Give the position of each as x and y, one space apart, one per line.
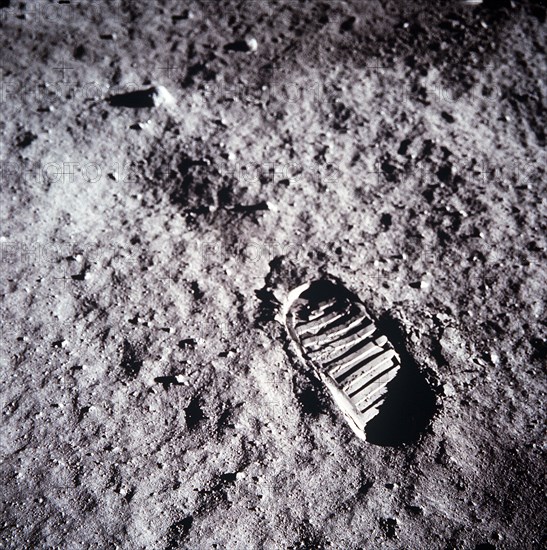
170 170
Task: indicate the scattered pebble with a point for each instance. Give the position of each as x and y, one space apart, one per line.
421 285
252 44
161 96
186 14
187 343
157 96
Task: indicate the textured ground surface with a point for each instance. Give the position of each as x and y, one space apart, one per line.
149 398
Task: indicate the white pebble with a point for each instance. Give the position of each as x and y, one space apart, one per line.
252 44
162 97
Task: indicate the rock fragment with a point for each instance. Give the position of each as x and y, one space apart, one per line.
250 44
157 96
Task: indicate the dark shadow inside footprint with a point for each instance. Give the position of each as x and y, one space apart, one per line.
410 403
325 289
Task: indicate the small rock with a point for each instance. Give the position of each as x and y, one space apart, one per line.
186 14
248 45
157 96
187 343
252 44
422 285
161 96
442 318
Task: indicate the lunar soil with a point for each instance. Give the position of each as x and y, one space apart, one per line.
169 172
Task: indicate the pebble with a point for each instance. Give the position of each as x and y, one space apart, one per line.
252 44
442 317
161 96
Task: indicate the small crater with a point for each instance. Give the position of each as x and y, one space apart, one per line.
225 420
26 139
178 532
308 542
196 290
348 24
131 362
80 52
448 117
194 413
83 411
309 397
386 220
403 147
389 526
365 487
445 173
229 477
